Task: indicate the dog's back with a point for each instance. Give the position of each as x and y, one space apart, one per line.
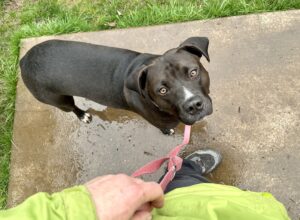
65 67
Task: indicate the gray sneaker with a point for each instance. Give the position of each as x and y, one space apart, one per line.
207 159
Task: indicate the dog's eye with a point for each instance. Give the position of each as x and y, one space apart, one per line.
193 73
163 90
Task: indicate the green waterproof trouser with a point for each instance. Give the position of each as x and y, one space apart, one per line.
206 201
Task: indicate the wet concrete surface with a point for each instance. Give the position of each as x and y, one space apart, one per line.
255 87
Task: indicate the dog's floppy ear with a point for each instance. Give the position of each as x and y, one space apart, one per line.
197 46
137 80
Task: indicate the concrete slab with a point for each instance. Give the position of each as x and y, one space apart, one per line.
255 77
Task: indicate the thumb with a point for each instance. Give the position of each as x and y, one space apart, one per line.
142 215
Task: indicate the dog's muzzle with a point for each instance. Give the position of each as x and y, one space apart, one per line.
194 109
193 106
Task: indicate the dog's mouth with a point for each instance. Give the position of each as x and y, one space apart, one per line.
183 116
191 119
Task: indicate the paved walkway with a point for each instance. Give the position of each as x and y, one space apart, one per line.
255 87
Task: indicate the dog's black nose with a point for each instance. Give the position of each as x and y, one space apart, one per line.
194 105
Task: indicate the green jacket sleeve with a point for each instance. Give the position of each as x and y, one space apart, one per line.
73 203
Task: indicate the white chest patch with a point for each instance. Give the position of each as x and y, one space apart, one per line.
187 93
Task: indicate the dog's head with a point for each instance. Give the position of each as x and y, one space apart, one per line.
176 82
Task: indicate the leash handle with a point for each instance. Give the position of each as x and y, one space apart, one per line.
174 163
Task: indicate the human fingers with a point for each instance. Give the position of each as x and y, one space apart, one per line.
150 192
146 207
138 180
99 179
142 215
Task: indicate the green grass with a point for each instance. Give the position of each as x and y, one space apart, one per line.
2 4
44 17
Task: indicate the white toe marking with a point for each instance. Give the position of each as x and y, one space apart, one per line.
187 93
172 131
87 118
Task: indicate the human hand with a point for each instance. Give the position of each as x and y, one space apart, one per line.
120 197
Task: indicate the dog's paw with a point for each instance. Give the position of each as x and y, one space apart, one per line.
86 118
168 131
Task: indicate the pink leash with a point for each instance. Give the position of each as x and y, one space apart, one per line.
174 163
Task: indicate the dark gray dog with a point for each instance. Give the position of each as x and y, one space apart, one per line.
164 89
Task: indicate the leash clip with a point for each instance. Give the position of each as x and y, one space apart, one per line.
173 166
174 171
